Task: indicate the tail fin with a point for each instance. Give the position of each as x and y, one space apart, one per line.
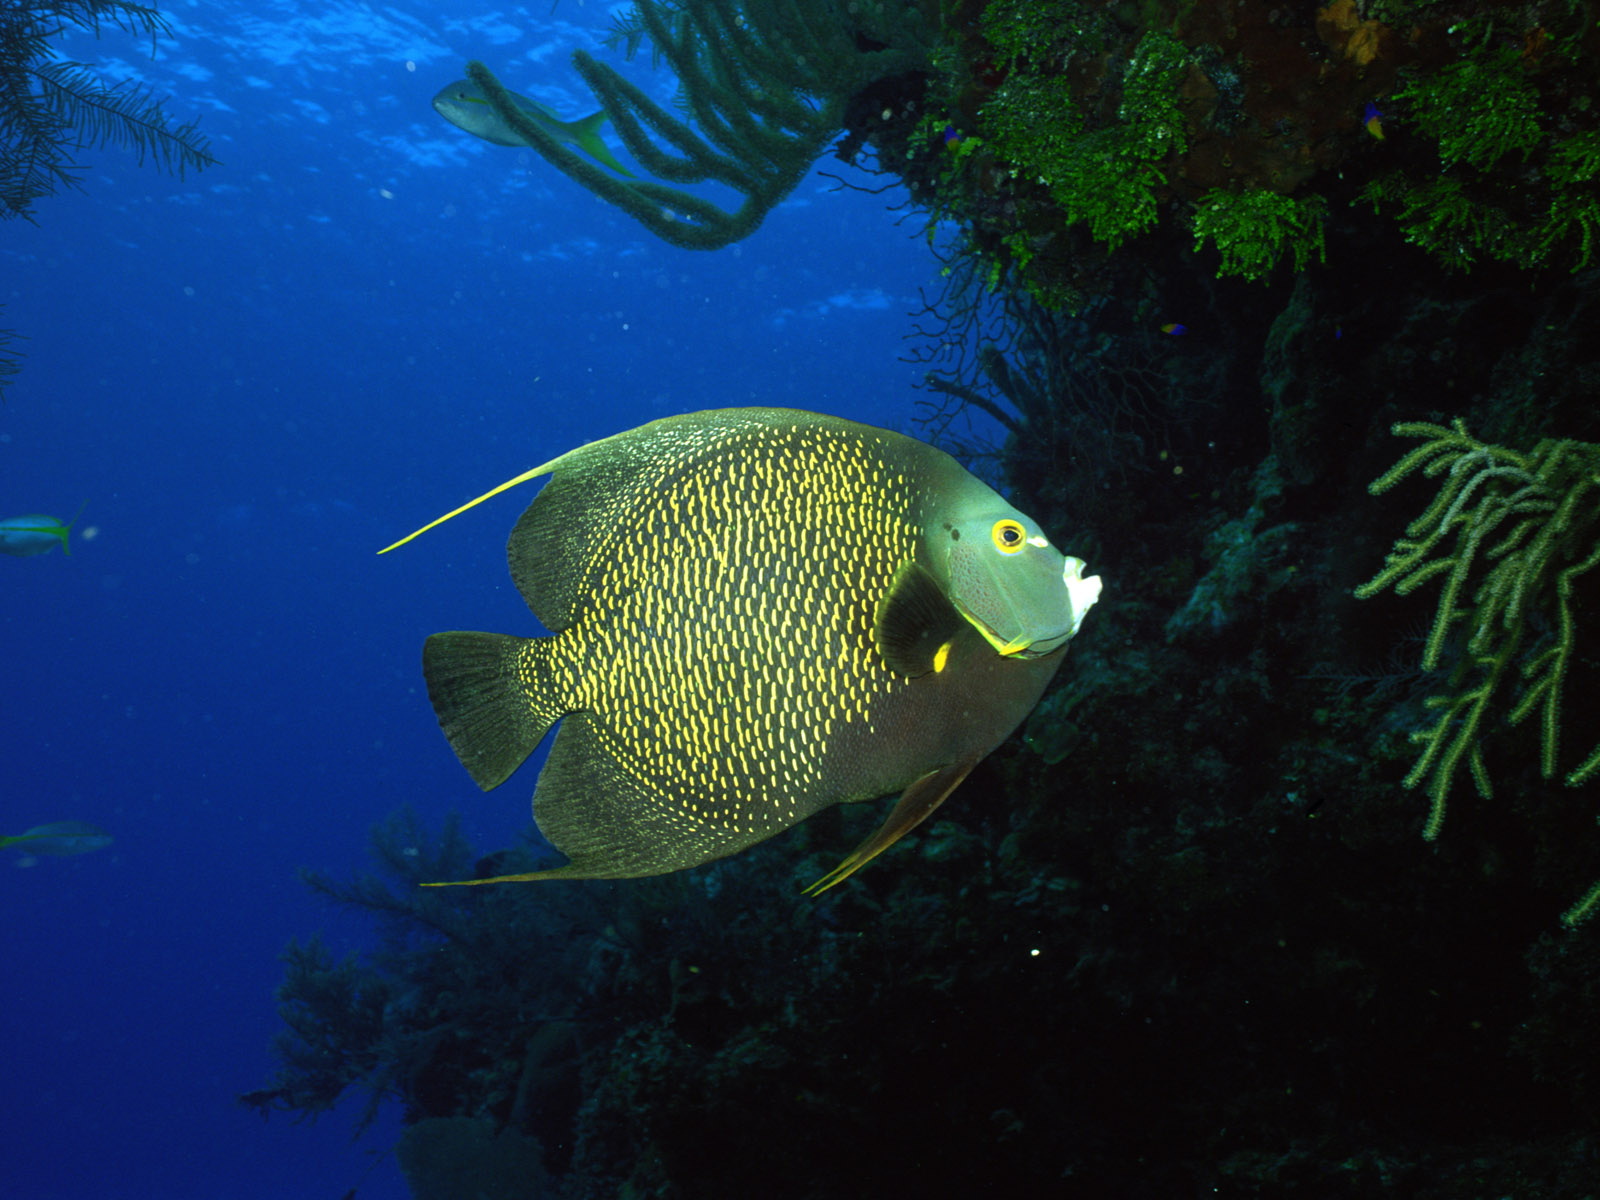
586 136
66 549
494 699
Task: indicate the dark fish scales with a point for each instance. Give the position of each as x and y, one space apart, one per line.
755 613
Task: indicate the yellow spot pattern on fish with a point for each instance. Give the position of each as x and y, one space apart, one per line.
726 718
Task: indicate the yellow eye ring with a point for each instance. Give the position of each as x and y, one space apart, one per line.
1009 536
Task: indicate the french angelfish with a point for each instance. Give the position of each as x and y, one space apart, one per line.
756 613
465 107
23 537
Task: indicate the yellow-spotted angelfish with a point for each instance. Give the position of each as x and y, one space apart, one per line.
756 613
23 537
465 107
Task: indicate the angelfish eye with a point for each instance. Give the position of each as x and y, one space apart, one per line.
1009 536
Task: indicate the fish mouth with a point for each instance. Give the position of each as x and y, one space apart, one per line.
1081 597
1081 593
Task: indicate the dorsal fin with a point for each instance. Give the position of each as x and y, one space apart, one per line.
609 490
489 495
915 621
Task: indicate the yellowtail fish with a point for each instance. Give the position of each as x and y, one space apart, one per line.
59 839
23 537
465 107
755 614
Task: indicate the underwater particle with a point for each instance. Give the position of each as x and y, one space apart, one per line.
757 614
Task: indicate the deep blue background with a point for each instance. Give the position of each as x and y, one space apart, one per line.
257 376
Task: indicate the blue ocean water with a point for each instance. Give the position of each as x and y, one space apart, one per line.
253 378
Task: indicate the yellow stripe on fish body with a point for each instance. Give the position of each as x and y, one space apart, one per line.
757 613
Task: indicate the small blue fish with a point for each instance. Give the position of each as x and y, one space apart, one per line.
23 537
59 839
951 134
1373 120
1173 329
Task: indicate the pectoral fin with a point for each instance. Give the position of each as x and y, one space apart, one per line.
914 807
915 623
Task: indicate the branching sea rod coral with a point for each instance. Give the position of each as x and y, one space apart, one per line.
766 83
1510 534
50 108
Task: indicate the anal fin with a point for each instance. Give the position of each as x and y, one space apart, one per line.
916 803
608 822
